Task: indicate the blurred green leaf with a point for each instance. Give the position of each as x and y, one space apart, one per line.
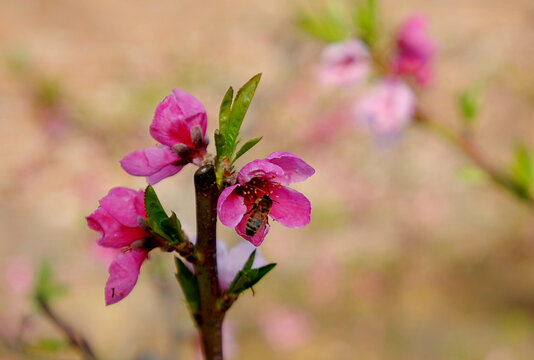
248 277
330 24
246 147
46 286
237 114
189 284
522 169
50 345
469 103
366 21
472 174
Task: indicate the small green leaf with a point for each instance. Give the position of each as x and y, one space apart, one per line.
329 24
246 147
224 111
51 345
156 215
366 21
250 261
472 174
248 277
189 284
219 144
237 114
46 286
173 229
469 103
522 169
154 209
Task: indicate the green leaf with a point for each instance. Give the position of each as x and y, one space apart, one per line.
469 103
248 277
161 225
237 114
172 228
189 284
250 261
219 144
328 24
46 286
224 111
246 147
366 21
472 174
522 169
51 345
154 209
155 214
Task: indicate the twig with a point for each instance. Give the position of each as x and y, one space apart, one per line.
209 320
466 145
75 338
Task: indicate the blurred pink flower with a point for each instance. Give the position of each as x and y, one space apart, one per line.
345 63
180 125
387 108
261 190
230 262
416 50
117 220
19 275
285 329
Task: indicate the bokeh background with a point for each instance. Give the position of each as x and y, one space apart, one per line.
408 255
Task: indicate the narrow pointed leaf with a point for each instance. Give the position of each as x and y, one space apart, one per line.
189 284
248 277
237 114
246 147
224 111
219 144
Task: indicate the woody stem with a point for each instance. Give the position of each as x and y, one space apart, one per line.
210 318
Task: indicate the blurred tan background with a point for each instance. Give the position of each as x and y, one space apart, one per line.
405 258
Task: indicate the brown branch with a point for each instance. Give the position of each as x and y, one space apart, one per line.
209 320
466 145
74 337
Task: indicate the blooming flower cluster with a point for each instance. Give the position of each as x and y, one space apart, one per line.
179 125
390 103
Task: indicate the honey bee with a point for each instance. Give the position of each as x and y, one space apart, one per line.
258 214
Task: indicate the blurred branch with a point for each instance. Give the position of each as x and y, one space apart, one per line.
75 338
467 146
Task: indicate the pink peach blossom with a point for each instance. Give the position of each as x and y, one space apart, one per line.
345 63
179 125
416 50
266 179
117 221
387 108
